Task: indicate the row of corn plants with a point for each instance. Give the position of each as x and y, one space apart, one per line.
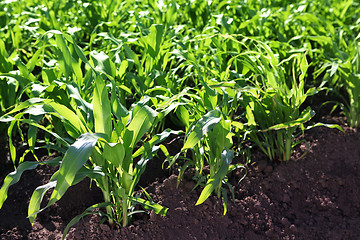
103 83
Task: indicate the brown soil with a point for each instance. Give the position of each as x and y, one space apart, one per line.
315 197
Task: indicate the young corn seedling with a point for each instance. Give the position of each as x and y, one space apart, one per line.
350 74
210 139
208 132
273 110
344 74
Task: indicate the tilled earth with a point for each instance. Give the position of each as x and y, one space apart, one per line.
316 196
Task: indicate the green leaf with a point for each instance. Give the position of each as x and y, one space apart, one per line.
75 157
65 58
75 123
305 116
13 178
31 122
22 80
150 151
88 211
224 200
158 209
114 153
158 138
40 191
321 39
325 125
32 132
123 67
139 125
238 125
118 109
81 103
37 197
212 183
221 137
102 109
204 125
103 64
21 106
183 115
131 55
155 38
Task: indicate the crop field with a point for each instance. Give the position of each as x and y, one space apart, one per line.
214 94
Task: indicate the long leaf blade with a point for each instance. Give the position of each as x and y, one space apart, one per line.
75 157
13 178
102 109
138 126
158 209
212 183
88 211
204 125
304 117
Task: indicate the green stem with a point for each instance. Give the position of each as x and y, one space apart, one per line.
107 198
288 149
124 212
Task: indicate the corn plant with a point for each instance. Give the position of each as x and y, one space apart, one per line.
350 78
103 150
208 134
273 110
209 140
342 78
